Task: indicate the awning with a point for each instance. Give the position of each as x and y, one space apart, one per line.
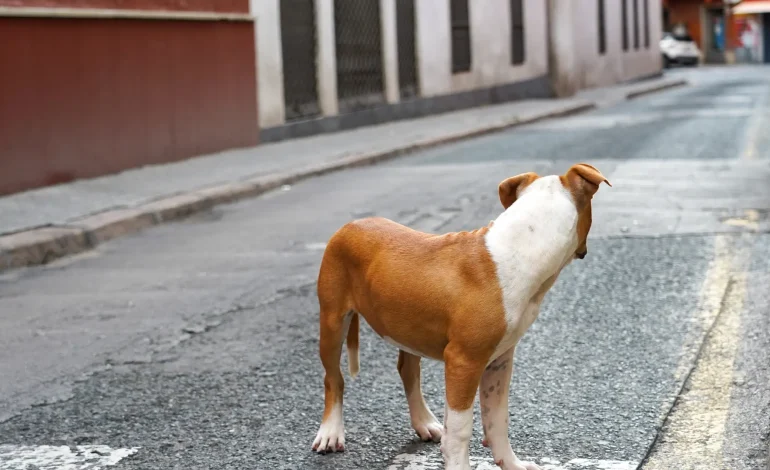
751 8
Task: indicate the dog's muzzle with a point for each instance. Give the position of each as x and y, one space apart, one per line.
581 254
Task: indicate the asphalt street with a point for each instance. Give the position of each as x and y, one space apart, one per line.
194 345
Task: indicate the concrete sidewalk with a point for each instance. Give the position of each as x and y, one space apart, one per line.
41 225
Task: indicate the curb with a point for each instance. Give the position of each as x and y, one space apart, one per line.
656 88
42 245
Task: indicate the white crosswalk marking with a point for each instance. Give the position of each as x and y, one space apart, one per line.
434 462
91 457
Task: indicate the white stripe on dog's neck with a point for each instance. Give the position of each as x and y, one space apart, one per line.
530 243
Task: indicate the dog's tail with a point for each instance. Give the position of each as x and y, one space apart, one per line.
352 343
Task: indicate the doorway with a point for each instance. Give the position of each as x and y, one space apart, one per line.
715 35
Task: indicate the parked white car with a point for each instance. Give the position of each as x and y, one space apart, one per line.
679 49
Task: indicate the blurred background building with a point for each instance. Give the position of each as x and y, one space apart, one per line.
387 59
726 31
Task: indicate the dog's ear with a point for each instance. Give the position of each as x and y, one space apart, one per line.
510 189
583 181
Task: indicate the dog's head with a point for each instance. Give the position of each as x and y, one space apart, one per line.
581 181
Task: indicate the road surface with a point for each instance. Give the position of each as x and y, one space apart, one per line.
194 345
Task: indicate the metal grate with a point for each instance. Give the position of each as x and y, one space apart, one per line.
359 54
407 57
517 32
461 36
602 29
298 46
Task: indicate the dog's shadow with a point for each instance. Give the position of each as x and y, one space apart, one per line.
418 446
418 452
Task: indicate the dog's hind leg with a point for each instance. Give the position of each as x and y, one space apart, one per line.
335 317
423 420
331 435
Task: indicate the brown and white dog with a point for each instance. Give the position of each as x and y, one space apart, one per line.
464 298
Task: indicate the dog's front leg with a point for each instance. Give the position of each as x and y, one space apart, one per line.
493 396
462 376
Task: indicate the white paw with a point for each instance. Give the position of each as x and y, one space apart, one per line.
331 435
457 466
428 429
521 465
513 463
329 440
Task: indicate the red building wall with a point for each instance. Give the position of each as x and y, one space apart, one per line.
687 12
740 23
232 6
84 97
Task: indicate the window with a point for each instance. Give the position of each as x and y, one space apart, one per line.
636 24
461 36
624 25
517 32
602 31
646 23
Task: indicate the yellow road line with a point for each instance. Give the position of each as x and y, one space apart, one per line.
693 435
751 221
756 126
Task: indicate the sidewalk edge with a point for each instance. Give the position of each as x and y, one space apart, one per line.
656 88
42 245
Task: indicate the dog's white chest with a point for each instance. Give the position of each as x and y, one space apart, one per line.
530 243
515 329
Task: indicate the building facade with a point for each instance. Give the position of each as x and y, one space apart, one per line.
603 42
92 87
327 65
726 31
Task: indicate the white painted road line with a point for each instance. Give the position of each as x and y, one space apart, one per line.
434 462
94 457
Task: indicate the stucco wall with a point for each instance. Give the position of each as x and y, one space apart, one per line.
327 58
434 55
269 61
570 55
490 46
490 36
576 60
645 61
